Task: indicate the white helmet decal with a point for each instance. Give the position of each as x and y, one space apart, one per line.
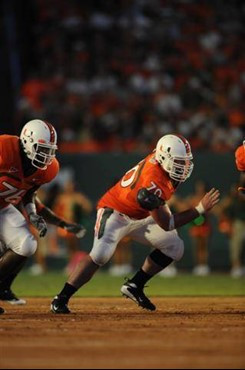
39 141
173 153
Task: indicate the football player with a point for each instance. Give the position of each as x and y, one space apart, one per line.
26 163
240 163
137 207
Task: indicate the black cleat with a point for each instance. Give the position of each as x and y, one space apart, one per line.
130 290
8 296
59 306
1 310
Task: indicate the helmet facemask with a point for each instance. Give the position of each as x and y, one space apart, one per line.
174 155
38 139
179 169
42 155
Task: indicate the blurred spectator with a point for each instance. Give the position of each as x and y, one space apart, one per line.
116 75
232 221
121 263
47 245
200 231
175 204
72 206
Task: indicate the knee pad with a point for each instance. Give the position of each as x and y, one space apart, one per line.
180 250
26 247
175 249
101 256
103 249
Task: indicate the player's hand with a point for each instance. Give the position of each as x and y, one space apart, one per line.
210 199
39 223
76 229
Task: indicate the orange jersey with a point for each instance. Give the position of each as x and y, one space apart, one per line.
240 158
13 184
146 174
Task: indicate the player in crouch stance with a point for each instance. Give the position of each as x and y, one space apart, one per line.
26 163
136 206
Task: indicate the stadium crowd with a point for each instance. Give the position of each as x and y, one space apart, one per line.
120 74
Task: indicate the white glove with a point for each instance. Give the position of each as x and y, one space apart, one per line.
76 229
39 224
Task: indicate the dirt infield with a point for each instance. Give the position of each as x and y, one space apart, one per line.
114 333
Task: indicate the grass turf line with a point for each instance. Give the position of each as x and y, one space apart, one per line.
105 285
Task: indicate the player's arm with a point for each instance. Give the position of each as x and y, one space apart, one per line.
240 164
29 203
168 221
241 187
149 200
50 217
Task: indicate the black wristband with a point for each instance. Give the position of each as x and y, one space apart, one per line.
62 224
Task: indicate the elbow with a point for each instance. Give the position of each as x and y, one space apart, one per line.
164 226
168 225
164 220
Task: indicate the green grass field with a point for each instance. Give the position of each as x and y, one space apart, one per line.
104 285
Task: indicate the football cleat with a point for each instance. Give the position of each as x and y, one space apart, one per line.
59 306
8 296
130 290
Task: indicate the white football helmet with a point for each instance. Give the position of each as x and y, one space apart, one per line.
173 153
39 141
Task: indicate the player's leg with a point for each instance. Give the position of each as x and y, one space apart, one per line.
110 228
20 244
201 267
134 288
236 244
5 285
122 258
10 265
2 251
168 248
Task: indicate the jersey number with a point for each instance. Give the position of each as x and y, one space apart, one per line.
132 176
12 194
156 191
